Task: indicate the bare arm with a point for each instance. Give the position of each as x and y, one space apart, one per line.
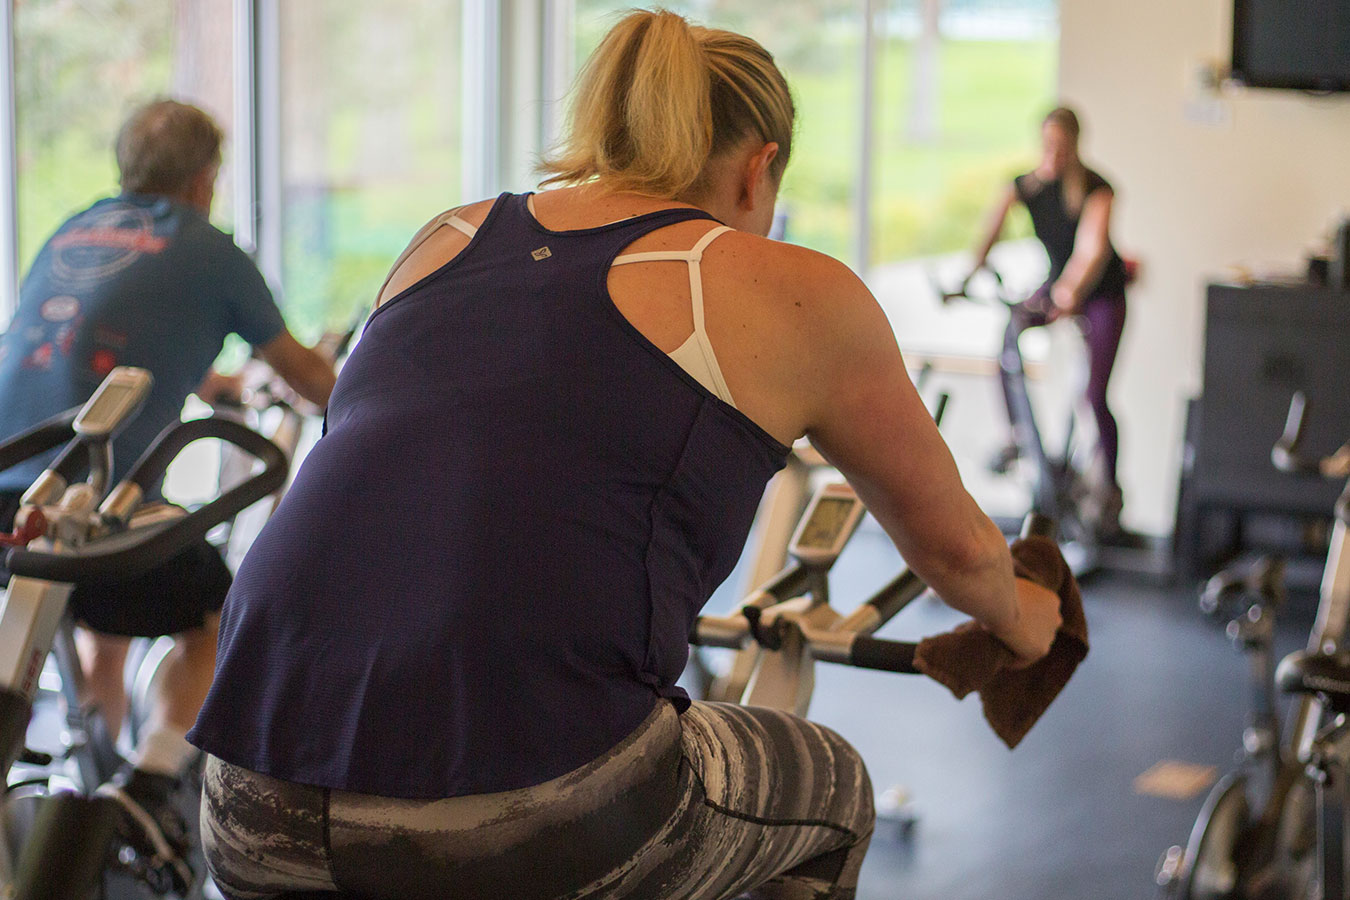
303 369
216 387
869 421
998 214
1091 244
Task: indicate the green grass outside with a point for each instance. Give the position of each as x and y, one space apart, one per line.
929 198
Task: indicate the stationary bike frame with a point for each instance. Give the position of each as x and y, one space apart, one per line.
785 510
1229 850
63 536
787 625
1057 482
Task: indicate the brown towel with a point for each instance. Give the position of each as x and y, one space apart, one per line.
969 658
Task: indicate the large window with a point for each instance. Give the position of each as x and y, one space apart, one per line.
961 87
817 43
80 67
370 144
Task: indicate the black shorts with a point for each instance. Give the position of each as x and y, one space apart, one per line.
170 599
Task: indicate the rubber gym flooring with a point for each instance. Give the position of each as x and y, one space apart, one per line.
1059 817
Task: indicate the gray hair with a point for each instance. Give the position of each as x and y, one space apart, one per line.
163 145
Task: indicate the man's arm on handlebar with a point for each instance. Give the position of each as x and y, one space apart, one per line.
304 369
216 387
868 420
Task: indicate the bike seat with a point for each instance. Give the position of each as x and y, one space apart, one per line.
1317 673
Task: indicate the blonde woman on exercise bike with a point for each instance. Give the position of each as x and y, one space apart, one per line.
1070 207
448 664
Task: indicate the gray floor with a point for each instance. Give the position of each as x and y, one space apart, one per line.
1058 817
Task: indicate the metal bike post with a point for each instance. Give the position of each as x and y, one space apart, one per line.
1331 834
95 756
1333 609
1025 432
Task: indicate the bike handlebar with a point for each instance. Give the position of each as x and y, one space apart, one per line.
160 544
946 297
850 641
855 649
887 656
1286 456
42 437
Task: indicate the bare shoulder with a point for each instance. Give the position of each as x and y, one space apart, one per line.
811 308
476 213
432 247
808 278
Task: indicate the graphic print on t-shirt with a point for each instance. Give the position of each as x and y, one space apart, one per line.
102 244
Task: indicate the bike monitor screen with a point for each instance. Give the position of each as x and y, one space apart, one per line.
120 394
827 523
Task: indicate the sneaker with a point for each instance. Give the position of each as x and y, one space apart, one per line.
152 827
1002 460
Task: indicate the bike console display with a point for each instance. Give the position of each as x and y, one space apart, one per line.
116 401
830 520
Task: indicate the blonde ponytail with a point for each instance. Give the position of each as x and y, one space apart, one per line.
659 98
1075 179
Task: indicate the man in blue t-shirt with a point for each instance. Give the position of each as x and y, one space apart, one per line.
144 279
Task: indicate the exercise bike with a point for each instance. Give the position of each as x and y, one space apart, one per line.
1060 486
787 505
1258 834
265 405
59 817
788 623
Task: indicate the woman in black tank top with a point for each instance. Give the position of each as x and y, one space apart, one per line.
1070 207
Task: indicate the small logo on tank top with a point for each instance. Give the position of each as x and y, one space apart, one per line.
541 254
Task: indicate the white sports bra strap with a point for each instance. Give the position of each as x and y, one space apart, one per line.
703 242
449 217
459 224
654 256
696 354
689 256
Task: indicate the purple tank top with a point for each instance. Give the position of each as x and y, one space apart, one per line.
485 573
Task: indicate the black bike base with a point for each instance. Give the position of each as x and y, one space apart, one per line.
68 848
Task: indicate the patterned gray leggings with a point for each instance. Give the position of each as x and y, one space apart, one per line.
716 803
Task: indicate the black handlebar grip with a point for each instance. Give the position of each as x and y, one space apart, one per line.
39 439
162 544
150 468
879 653
941 410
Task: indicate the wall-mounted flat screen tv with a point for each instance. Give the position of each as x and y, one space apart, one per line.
1295 44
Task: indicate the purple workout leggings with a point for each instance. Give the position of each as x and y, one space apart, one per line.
1102 319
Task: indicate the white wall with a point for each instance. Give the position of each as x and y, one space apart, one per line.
1254 177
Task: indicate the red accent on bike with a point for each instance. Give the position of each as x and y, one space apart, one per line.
1132 269
34 526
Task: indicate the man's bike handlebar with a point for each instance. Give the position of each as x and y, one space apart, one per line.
137 553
